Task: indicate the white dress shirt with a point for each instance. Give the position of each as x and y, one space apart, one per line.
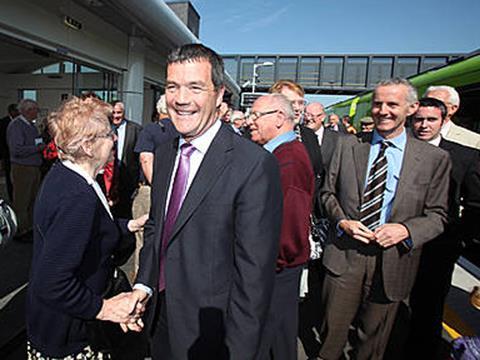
201 144
121 130
319 134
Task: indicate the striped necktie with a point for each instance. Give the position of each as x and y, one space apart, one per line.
374 192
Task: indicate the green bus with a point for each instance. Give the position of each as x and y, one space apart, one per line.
462 73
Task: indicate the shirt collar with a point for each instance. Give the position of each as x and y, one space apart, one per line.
77 169
279 140
202 143
446 128
436 141
398 142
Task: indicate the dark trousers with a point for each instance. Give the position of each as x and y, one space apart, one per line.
280 335
428 299
309 315
356 295
159 342
210 343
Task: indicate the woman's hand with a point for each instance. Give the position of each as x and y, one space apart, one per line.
135 225
120 309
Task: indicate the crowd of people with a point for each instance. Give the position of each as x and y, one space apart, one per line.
253 229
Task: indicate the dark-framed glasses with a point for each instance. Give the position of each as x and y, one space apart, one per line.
254 116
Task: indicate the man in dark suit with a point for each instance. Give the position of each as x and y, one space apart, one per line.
127 165
309 314
212 238
385 199
439 256
4 153
327 139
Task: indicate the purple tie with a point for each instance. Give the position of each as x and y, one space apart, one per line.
177 195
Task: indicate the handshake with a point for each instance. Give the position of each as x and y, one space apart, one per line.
126 309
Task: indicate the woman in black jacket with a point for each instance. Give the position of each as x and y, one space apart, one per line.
75 236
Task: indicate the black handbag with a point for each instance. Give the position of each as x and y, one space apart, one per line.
319 228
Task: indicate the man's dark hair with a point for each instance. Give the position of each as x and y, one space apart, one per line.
197 52
12 108
431 102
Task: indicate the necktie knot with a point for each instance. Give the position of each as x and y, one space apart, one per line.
187 150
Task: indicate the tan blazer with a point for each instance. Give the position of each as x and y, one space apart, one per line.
463 136
420 204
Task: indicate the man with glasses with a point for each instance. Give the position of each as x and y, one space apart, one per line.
296 95
327 139
271 125
126 165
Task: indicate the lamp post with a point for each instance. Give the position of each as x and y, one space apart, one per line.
254 77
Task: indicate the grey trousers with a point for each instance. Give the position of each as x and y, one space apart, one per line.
356 298
26 182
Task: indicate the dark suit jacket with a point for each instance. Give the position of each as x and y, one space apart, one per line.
220 260
310 141
329 144
129 171
420 204
74 238
464 191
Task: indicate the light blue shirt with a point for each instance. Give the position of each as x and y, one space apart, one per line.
279 140
394 154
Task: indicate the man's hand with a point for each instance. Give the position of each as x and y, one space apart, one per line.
139 299
387 235
357 230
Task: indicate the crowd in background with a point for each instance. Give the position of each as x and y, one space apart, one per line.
279 222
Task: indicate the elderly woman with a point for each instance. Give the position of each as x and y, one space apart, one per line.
74 238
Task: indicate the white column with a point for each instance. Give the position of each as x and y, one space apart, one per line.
133 80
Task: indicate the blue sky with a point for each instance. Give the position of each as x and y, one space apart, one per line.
339 26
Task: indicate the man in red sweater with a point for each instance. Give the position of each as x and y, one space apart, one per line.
271 125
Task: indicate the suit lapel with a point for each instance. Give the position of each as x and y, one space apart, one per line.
411 159
360 155
165 161
213 164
